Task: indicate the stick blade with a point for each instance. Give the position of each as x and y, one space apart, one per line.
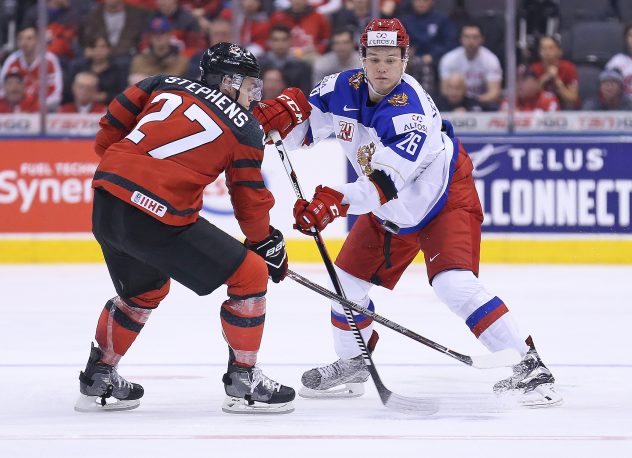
502 358
410 406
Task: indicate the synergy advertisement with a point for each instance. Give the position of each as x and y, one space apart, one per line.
526 185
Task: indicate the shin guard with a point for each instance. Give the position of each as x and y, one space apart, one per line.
242 326
122 320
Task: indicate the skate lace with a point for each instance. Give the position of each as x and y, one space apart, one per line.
525 366
258 378
120 382
331 370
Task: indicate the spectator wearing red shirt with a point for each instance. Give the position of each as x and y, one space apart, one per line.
555 74
84 92
255 27
310 30
15 99
63 27
531 97
26 62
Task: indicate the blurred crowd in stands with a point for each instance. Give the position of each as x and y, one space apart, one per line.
572 54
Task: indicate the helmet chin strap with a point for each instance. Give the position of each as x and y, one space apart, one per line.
372 88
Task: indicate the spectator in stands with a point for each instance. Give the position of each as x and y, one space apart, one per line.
623 61
161 56
555 74
432 34
184 25
26 62
220 30
84 91
255 28
122 24
98 61
296 72
612 95
63 26
454 96
480 67
343 56
15 99
531 96
273 83
204 10
310 30
355 15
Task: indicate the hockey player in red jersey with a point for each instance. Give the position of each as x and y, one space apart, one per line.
161 143
415 192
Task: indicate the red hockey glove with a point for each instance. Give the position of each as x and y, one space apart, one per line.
272 250
284 113
325 206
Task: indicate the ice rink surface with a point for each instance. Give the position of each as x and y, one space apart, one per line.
579 316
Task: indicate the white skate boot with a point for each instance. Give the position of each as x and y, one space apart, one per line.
343 379
532 383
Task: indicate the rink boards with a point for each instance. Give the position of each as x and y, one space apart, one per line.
546 199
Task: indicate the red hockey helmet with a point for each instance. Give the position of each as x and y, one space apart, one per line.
385 32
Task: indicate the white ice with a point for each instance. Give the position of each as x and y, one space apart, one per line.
579 316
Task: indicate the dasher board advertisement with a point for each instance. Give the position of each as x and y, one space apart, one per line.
553 185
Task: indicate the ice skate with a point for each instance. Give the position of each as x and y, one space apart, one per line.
249 390
343 379
103 389
532 383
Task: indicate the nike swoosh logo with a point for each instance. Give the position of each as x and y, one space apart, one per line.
346 108
434 257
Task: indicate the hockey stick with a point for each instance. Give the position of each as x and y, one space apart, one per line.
422 406
501 358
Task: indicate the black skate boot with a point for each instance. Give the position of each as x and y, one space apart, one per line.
249 390
342 379
531 381
102 388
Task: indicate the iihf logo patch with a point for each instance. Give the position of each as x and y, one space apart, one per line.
148 203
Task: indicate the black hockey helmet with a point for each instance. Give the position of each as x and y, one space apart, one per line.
227 59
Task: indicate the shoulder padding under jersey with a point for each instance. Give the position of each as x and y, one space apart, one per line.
241 122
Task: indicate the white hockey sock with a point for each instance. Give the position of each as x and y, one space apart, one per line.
502 334
486 315
356 291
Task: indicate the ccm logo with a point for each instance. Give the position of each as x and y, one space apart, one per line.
294 107
380 35
274 250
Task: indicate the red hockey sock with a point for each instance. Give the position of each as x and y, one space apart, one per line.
242 326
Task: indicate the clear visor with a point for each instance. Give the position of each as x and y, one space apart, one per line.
252 86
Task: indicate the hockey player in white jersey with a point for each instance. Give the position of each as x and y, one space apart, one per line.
415 192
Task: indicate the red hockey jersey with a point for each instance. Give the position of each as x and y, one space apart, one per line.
165 139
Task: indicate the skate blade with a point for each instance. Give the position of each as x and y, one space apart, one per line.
93 404
542 396
349 390
241 406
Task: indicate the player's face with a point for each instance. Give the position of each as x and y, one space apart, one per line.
250 91
384 67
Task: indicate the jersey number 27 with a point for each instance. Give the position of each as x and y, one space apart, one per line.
194 113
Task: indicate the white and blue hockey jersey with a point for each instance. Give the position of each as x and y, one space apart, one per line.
400 136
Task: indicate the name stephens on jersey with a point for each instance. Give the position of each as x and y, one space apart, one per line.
230 108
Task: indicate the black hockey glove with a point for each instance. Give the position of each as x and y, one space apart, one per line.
272 250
